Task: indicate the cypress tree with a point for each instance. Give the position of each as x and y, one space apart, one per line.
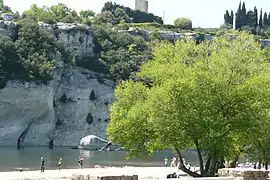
268 22
237 26
227 17
250 18
261 20
243 15
255 17
239 14
232 18
265 19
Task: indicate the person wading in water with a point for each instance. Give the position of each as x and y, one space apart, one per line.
42 164
59 163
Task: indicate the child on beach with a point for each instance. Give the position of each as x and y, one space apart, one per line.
166 161
42 164
59 163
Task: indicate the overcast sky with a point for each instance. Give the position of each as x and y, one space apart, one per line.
203 13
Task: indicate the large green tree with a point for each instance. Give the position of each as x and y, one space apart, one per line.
207 96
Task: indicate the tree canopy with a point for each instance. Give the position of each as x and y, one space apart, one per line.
212 97
183 23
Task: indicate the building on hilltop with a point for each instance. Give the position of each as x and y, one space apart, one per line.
141 5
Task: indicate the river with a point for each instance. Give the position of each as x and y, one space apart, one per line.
29 157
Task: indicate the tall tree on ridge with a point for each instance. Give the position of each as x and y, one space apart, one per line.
256 17
239 14
227 17
237 26
232 17
251 19
268 21
243 15
261 20
265 19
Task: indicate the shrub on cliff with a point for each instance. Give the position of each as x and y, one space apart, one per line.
36 47
11 66
120 54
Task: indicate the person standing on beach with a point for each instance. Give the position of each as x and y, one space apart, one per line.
173 163
81 162
42 164
59 163
166 161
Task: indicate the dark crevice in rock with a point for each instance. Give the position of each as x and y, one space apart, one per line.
54 103
51 144
106 103
22 136
63 98
80 39
89 119
92 95
99 119
58 123
107 120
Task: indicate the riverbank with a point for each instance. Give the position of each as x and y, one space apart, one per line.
65 174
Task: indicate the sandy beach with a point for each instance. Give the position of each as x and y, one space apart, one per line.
142 172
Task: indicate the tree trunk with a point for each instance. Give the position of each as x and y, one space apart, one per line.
213 166
183 167
207 165
200 157
234 162
260 162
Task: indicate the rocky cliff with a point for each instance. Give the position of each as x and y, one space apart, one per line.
74 104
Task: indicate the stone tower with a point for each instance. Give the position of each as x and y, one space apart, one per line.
141 5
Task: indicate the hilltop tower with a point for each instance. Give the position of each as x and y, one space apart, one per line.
141 5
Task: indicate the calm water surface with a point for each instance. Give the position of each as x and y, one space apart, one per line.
11 158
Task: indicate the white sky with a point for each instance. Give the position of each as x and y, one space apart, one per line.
203 13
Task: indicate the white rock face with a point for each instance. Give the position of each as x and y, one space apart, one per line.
76 38
73 105
38 115
22 107
72 113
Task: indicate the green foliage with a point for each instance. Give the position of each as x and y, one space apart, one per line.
60 11
119 54
56 13
211 97
134 15
35 47
183 23
87 13
1 5
10 65
248 18
40 14
228 18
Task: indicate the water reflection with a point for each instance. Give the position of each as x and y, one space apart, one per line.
30 158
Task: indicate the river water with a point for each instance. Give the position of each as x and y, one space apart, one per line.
29 157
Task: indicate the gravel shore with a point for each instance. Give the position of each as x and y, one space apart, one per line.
142 172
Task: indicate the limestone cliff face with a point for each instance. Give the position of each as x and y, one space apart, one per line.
74 104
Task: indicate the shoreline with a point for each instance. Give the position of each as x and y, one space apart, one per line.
142 172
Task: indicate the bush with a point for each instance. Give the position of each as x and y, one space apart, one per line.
183 23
